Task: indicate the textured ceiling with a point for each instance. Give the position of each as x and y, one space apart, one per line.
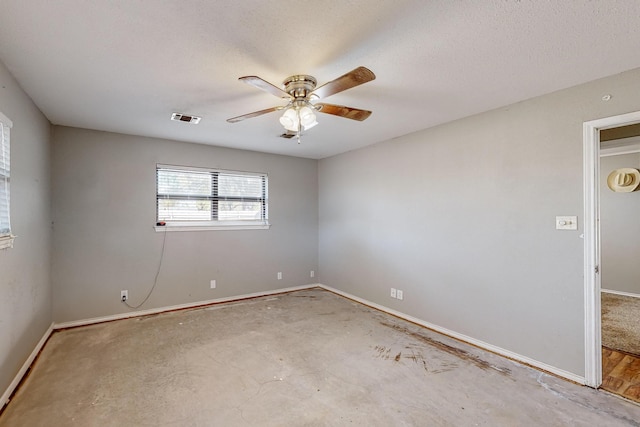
126 65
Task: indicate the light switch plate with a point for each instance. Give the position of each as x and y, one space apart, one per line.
566 223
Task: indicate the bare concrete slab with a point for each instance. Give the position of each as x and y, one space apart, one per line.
307 358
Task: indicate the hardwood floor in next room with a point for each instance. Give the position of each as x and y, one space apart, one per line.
621 374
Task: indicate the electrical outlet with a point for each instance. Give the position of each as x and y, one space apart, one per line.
313 274
279 275
399 294
124 295
213 284
393 292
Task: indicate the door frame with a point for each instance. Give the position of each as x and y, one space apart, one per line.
592 284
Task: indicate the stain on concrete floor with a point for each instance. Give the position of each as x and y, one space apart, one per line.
455 351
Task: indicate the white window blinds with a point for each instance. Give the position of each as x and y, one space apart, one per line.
6 239
195 196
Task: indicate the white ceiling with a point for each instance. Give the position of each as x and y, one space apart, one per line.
126 65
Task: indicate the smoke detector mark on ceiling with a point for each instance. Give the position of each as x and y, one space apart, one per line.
185 118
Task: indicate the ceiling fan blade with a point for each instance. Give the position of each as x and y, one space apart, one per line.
254 114
342 111
256 81
352 79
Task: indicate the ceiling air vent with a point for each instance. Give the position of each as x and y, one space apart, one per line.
179 117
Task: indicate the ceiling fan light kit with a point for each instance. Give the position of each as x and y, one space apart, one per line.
295 117
300 90
292 121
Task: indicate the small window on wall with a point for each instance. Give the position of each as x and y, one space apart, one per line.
6 238
208 199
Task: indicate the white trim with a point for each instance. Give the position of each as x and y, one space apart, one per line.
217 224
5 120
481 344
624 294
93 320
632 147
55 326
6 242
204 169
173 227
25 366
591 293
592 285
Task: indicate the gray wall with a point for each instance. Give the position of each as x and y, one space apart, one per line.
104 212
25 291
461 218
619 229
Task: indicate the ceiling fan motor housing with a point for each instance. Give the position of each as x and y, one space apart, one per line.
300 85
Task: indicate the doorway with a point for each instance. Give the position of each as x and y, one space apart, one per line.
592 236
620 252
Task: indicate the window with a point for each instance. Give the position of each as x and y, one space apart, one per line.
195 198
6 238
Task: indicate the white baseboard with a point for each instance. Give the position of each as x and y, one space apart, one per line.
624 294
54 326
25 367
91 321
481 344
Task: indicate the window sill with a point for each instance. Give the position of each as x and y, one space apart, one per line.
6 242
165 228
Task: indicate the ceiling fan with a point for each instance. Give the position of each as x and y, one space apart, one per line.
300 90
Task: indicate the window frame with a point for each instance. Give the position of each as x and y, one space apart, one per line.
215 198
6 239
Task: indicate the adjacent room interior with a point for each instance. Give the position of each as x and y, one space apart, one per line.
421 168
620 151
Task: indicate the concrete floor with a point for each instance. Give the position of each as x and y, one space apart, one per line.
307 358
